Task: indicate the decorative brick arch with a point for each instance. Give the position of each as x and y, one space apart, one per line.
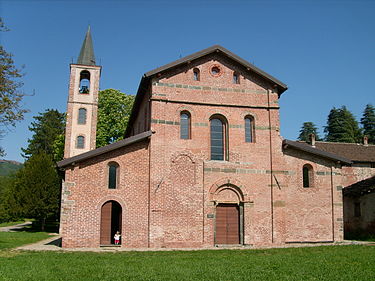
218 111
184 108
249 113
101 202
225 190
188 154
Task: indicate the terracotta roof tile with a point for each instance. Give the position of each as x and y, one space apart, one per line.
353 151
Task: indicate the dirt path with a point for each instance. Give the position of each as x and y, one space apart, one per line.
53 244
14 228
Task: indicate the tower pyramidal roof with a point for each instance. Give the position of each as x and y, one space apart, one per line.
86 55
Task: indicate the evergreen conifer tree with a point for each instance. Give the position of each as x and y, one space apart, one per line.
342 126
368 123
36 189
307 129
46 128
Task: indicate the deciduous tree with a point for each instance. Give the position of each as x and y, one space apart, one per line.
114 110
11 107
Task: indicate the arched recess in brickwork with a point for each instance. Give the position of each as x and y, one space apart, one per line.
179 154
183 169
183 202
227 190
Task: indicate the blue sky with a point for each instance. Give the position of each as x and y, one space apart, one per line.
323 50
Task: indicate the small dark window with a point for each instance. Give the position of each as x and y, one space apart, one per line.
196 74
307 173
236 78
249 129
185 125
215 70
112 175
82 115
357 209
84 82
218 138
80 142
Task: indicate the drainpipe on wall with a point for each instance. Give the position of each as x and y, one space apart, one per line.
333 214
149 176
271 166
149 193
203 203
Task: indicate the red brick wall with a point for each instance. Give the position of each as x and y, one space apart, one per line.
248 166
86 190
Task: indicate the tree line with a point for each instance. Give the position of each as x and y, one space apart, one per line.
34 190
342 126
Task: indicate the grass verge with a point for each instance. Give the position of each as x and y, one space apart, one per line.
315 263
10 240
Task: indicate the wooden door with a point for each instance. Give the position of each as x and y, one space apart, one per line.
227 224
105 224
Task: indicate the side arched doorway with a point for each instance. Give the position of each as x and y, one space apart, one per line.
110 222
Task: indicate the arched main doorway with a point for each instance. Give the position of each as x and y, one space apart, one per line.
229 215
111 221
227 224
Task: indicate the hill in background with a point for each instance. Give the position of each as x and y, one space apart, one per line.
8 166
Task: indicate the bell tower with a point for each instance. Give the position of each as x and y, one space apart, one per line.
82 110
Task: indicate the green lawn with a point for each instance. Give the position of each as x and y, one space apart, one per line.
15 239
316 263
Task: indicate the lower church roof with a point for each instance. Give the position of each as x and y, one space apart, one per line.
103 149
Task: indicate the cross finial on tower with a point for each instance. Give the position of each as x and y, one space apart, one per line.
86 55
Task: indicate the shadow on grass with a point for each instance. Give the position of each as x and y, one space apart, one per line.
50 226
57 242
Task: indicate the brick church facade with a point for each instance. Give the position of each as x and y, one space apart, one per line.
202 162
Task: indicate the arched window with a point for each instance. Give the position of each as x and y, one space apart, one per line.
196 74
236 78
80 142
113 168
84 82
218 136
185 125
307 173
82 115
249 129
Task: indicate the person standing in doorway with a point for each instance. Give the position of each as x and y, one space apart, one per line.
117 238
